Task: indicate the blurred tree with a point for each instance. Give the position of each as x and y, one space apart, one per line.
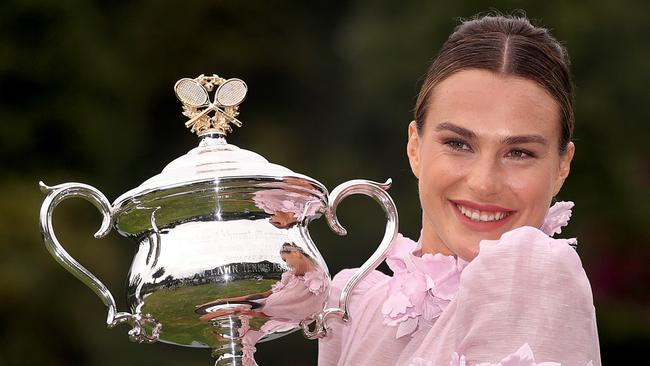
86 95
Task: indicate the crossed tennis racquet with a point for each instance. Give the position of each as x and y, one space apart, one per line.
229 94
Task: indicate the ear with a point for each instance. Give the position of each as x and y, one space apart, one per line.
413 148
565 166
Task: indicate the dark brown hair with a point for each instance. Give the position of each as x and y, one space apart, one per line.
508 45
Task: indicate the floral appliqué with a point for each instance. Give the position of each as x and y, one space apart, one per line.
315 281
423 285
557 217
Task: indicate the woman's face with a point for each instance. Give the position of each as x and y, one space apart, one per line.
294 261
487 159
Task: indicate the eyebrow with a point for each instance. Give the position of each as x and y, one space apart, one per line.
448 126
508 140
524 139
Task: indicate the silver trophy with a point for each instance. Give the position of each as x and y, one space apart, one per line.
224 257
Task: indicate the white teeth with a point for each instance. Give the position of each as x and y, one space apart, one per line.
481 216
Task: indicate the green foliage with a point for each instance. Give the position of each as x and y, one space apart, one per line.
86 95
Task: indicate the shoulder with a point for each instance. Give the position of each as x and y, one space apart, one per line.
370 281
527 254
526 288
528 283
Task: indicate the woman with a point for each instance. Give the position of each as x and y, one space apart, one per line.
486 284
304 284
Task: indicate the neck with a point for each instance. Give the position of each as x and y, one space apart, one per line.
431 242
303 268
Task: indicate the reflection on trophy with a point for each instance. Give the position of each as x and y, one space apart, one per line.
224 257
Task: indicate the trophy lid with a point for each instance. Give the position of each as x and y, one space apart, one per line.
214 163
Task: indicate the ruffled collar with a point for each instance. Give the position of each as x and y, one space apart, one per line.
315 281
424 284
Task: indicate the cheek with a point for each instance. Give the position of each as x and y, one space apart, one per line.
534 189
430 183
439 175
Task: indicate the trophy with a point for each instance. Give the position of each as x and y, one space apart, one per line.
224 258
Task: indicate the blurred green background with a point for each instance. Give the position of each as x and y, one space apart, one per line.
86 95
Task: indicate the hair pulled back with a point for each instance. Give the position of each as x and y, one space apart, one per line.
508 45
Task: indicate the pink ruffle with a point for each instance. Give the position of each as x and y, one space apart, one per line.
315 281
522 357
245 325
557 217
400 249
274 201
248 355
422 286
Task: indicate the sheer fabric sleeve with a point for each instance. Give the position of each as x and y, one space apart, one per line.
331 346
524 290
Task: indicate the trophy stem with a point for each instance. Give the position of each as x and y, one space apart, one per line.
235 350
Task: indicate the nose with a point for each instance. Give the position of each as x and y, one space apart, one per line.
485 178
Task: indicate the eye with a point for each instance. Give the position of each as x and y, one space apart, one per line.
457 145
520 154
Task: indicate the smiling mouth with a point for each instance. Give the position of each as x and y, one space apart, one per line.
482 216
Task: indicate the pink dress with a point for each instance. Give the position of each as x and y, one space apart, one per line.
524 300
293 299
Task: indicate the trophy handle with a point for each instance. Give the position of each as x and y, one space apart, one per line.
141 324
378 192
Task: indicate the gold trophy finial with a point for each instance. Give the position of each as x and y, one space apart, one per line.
194 94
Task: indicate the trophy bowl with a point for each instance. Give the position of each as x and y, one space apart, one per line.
224 258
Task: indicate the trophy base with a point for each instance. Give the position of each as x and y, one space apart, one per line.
234 355
235 361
